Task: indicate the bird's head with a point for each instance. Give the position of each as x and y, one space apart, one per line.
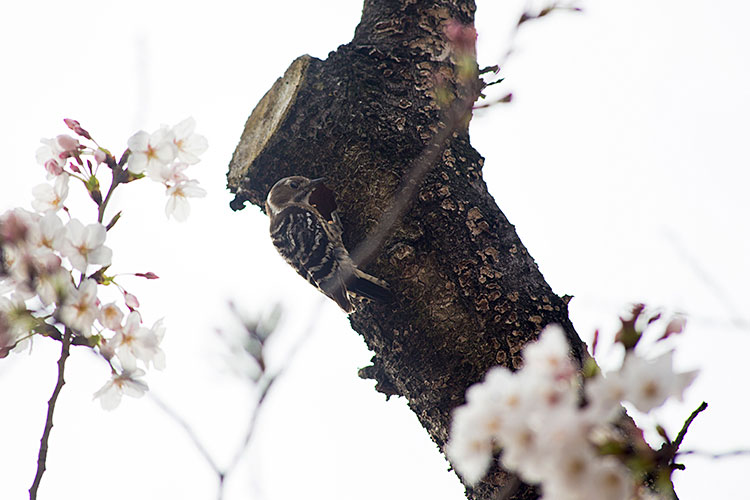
295 189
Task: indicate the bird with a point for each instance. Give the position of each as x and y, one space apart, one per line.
306 230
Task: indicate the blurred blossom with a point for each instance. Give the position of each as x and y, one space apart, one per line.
463 37
545 434
648 383
110 316
54 287
127 383
81 307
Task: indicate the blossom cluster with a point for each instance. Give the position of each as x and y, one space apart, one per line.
556 428
54 267
164 156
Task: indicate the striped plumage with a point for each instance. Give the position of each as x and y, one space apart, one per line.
306 231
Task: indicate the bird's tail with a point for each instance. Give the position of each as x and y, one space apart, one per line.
364 285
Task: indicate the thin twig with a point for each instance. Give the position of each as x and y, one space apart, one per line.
703 275
678 440
41 464
455 117
222 473
724 454
267 387
188 430
103 205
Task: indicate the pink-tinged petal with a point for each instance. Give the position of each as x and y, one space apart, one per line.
131 300
67 143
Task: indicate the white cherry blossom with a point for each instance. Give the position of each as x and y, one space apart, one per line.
177 203
53 153
50 198
189 144
110 316
81 307
134 342
550 356
85 245
127 383
648 383
151 151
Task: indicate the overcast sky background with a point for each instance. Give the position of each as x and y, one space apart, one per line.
622 163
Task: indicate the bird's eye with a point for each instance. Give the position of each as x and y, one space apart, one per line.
294 185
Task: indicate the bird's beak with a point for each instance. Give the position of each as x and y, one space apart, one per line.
315 182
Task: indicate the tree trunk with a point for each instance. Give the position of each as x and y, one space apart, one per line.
468 295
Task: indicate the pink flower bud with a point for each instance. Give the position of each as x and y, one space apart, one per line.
131 301
53 167
67 144
100 156
76 127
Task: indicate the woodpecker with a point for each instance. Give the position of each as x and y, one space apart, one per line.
306 231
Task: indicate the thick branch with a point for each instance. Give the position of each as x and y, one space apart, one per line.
468 295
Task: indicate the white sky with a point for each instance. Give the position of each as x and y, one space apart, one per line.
622 163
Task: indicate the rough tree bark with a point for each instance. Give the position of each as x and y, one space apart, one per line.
468 295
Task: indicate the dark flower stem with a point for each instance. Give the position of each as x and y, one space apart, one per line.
41 464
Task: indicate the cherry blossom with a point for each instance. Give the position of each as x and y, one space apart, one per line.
17 319
189 144
53 287
127 383
39 292
470 448
81 307
134 342
158 360
54 152
50 234
177 204
170 174
648 383
545 432
151 151
550 356
85 245
110 316
50 198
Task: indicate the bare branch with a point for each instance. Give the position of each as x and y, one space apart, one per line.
188 430
724 454
41 464
220 472
678 441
